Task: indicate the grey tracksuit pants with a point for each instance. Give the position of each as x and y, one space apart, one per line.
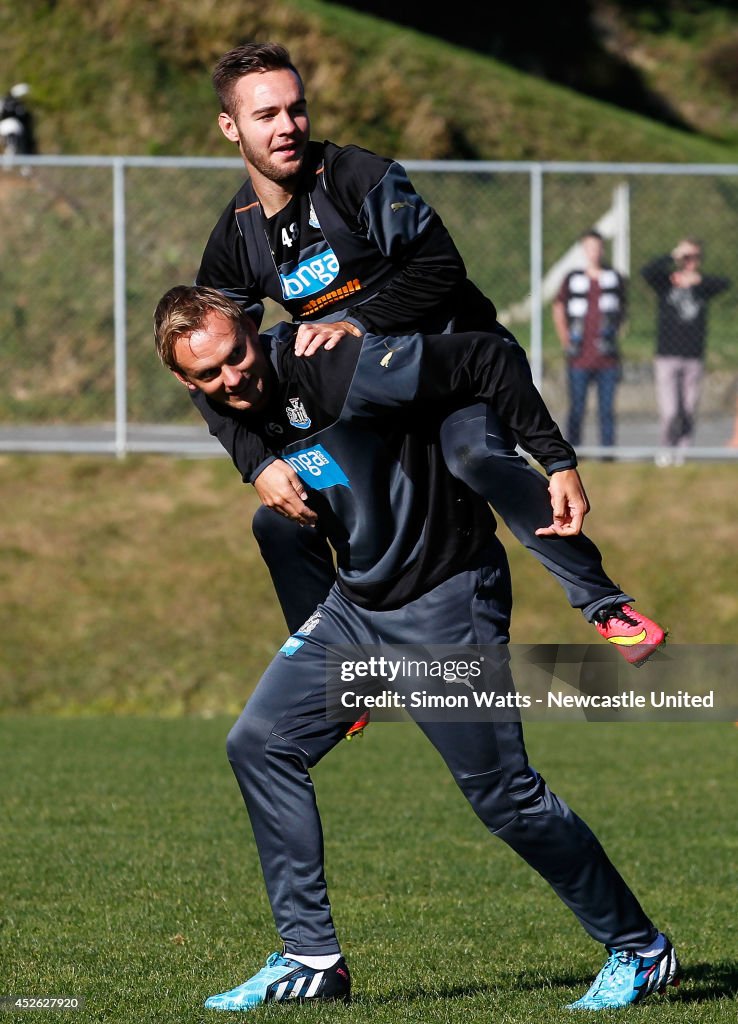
283 731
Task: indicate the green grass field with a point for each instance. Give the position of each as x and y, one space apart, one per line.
130 878
136 616
136 587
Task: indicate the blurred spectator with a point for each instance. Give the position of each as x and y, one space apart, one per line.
16 121
683 292
588 312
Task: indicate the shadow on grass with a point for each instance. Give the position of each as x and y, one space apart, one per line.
506 985
701 983
707 982
423 993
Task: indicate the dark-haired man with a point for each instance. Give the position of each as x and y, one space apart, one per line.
341 239
588 312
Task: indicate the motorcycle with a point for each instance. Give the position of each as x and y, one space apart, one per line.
14 122
11 133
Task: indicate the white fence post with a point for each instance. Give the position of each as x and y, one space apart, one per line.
621 234
120 307
536 273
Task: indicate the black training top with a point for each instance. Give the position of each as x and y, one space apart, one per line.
682 312
356 242
360 426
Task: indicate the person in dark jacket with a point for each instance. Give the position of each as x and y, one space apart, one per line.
418 563
683 291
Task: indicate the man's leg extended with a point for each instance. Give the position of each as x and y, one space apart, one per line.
489 763
490 766
481 452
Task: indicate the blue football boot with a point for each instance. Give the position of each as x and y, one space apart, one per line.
628 978
282 979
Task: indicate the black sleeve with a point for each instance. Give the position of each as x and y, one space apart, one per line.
712 285
247 450
623 296
430 274
224 266
376 195
656 273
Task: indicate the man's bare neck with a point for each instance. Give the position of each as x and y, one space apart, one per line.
272 195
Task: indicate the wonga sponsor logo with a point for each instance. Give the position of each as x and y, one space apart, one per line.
311 276
317 468
291 646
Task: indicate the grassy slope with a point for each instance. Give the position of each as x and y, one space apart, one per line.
135 78
136 587
121 78
685 59
129 876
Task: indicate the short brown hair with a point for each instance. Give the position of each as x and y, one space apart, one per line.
245 60
183 309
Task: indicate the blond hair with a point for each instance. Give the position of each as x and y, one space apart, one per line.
183 310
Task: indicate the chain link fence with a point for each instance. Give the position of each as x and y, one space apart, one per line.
89 244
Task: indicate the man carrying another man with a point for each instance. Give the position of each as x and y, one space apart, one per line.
340 238
417 561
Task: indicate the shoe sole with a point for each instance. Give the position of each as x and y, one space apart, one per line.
646 657
652 649
313 999
675 983
281 1002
